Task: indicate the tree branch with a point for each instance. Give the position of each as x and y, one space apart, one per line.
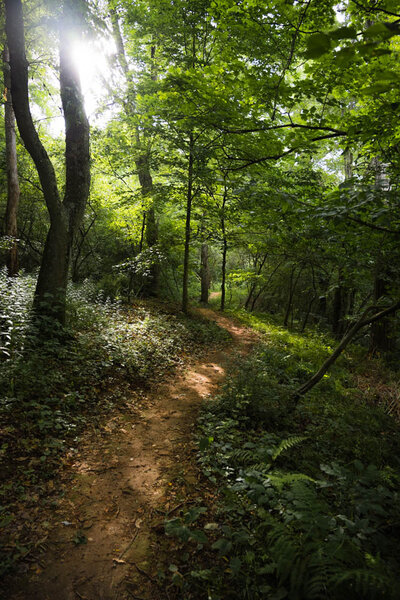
20 98
375 9
373 226
347 338
282 154
275 127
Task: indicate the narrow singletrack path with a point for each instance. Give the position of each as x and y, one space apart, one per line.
103 535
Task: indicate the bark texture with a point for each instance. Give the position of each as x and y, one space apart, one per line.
224 250
189 199
66 215
150 288
13 191
204 274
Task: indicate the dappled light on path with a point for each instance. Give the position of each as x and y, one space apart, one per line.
105 536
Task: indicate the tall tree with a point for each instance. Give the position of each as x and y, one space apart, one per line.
13 191
65 215
142 158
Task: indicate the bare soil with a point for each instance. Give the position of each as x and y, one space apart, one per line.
106 538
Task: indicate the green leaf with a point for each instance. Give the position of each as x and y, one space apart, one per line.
378 30
198 536
390 5
379 87
317 45
176 529
235 564
205 443
387 75
80 538
345 55
223 546
381 52
367 49
204 574
193 514
344 33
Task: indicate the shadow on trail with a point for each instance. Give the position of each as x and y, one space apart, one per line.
103 534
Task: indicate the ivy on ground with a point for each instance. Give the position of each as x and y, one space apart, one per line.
309 502
51 391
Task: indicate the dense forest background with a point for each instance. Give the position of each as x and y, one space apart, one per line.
246 147
244 154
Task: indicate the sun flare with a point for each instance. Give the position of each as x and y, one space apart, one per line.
93 62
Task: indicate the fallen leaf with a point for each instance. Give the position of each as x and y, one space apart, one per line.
211 526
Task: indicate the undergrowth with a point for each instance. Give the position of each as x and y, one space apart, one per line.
51 391
308 501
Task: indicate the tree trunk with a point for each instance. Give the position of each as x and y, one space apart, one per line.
189 199
290 298
142 231
306 316
292 289
66 216
380 340
250 295
224 251
340 294
362 322
348 165
77 258
338 302
254 285
381 332
204 274
223 273
264 287
323 284
150 288
152 229
13 191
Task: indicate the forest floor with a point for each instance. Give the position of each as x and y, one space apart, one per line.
106 536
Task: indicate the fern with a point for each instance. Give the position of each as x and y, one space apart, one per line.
279 480
312 562
287 444
268 454
368 583
242 457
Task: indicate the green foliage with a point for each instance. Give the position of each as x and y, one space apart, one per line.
276 97
309 500
51 390
180 527
15 301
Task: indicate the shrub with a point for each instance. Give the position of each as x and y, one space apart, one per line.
51 390
309 502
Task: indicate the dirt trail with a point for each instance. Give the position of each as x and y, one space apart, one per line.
103 535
